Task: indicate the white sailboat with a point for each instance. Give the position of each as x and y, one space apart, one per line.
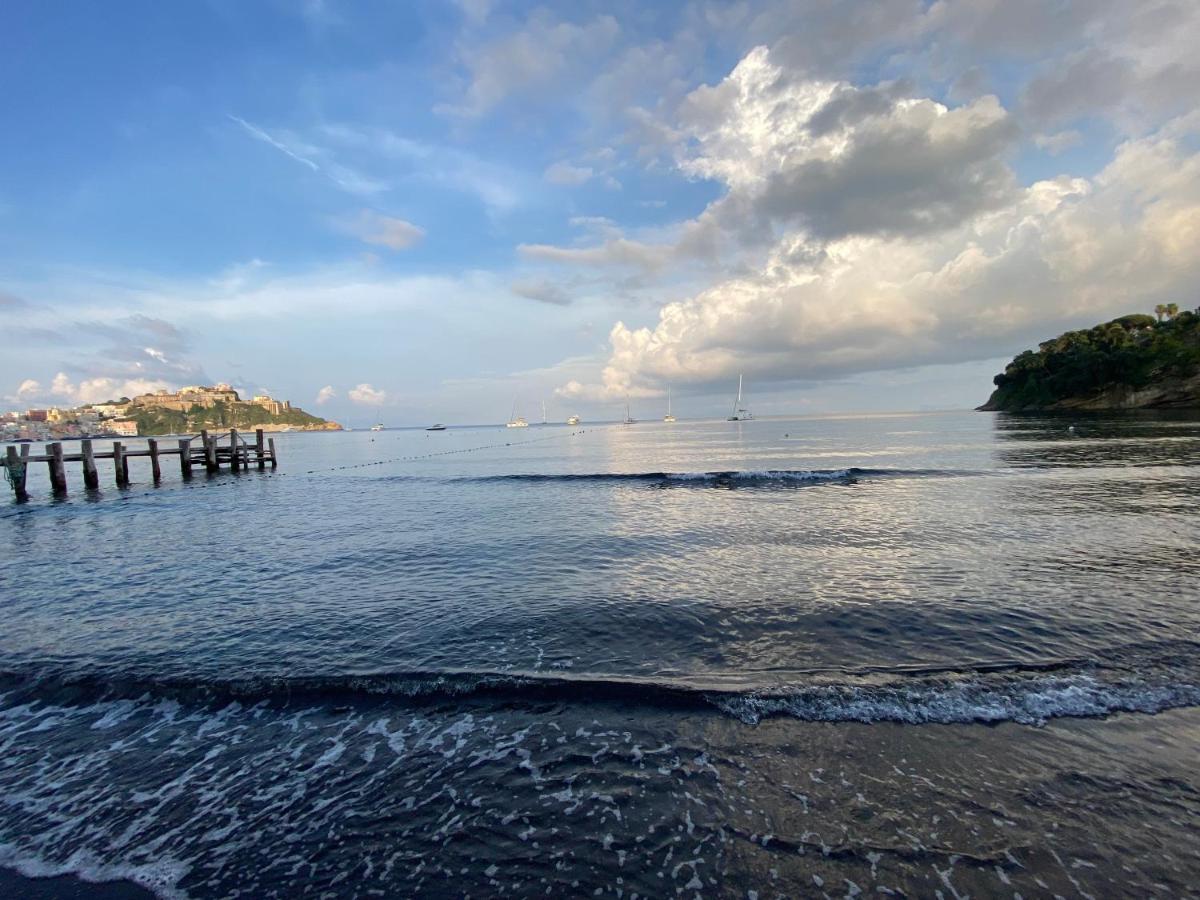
668 417
740 413
628 420
543 412
378 426
516 421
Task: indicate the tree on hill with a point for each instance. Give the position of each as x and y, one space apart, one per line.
1129 352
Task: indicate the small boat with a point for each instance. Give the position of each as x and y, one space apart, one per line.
740 413
668 417
438 427
572 420
378 426
544 412
515 421
628 420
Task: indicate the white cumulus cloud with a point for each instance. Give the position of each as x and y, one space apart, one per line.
366 395
325 394
892 234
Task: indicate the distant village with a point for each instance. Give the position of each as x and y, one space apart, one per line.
122 418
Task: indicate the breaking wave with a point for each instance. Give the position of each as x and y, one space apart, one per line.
730 477
989 693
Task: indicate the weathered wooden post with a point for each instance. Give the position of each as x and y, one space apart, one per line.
91 478
210 451
58 472
258 448
120 471
185 458
234 451
16 472
274 458
155 469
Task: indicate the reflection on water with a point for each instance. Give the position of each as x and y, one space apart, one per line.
573 661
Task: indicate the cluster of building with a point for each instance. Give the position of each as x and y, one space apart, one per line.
55 423
105 419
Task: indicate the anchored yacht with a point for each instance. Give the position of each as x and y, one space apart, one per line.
740 413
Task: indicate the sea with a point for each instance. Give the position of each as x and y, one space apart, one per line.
927 655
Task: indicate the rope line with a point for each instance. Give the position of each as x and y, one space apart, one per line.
412 457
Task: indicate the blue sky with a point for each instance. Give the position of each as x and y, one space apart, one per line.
428 209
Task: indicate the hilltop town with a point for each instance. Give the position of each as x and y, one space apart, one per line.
187 410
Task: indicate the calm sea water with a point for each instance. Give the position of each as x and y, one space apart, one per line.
921 654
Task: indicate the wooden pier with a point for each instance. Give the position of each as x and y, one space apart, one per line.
212 451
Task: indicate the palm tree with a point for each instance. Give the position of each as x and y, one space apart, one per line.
1172 310
1160 310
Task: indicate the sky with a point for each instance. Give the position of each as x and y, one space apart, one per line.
430 211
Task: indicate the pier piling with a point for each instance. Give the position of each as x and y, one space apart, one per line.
185 458
240 455
210 452
155 468
15 467
58 472
120 468
91 477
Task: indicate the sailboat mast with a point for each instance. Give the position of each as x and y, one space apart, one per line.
668 399
543 412
738 402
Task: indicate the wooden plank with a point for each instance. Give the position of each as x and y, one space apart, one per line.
155 468
120 467
185 458
259 449
91 477
58 472
16 472
274 458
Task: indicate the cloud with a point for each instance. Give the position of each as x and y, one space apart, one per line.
542 291
384 231
347 178
11 302
325 394
530 59
259 134
366 395
1139 67
497 186
566 174
63 391
826 158
838 160
1069 252
1058 142
28 388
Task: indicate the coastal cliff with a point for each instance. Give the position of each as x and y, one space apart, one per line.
1133 362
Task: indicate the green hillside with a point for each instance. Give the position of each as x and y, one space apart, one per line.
1134 361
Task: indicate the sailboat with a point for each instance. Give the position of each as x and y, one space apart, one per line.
516 421
740 413
572 420
543 412
668 417
378 426
628 420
